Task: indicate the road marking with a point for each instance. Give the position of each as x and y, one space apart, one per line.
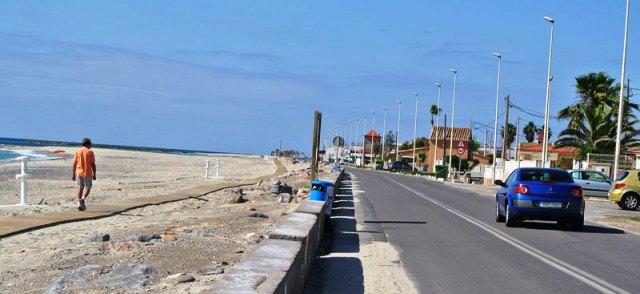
583 276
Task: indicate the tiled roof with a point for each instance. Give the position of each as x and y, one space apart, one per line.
372 133
462 134
533 147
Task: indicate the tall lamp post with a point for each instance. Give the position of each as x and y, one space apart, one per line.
495 120
435 150
398 130
621 103
415 127
453 113
364 126
384 129
373 127
545 134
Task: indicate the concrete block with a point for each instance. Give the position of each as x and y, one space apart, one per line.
273 267
311 207
304 228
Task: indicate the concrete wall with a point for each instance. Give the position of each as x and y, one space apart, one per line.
282 263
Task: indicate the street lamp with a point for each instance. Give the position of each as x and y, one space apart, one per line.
398 130
384 129
364 125
495 120
373 127
435 150
453 113
621 103
545 152
415 127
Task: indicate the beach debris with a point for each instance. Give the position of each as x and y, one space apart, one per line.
280 187
142 238
214 270
99 238
41 201
254 237
169 235
259 183
124 276
284 198
180 278
236 196
258 215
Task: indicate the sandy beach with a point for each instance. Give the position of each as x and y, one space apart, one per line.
207 235
121 174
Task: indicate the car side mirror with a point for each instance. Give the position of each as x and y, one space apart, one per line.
500 183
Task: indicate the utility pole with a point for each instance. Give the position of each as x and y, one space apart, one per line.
517 143
621 101
484 142
317 131
504 132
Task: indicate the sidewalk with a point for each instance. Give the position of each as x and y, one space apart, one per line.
19 224
357 257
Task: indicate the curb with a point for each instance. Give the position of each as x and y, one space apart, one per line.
282 263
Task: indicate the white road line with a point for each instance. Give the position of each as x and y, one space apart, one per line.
583 276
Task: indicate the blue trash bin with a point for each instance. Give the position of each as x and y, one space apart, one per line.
319 190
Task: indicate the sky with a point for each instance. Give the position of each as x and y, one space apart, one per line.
239 76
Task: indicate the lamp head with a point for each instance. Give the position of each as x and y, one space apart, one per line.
497 55
438 85
453 70
549 19
398 101
415 93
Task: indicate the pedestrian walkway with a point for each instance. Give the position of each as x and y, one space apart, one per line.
24 223
357 258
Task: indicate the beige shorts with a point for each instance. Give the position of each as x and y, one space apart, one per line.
85 182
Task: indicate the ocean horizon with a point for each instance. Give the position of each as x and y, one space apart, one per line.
11 154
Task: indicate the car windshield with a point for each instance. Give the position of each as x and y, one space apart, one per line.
545 176
623 174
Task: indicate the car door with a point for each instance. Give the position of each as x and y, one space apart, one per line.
598 184
503 192
578 178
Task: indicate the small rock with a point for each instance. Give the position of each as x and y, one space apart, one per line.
240 251
253 237
180 278
224 263
252 209
284 198
214 270
258 215
99 238
142 238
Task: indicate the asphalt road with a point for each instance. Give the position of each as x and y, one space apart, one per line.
449 242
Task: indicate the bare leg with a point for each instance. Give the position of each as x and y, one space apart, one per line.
86 192
80 192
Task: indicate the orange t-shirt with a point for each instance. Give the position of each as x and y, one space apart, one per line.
83 160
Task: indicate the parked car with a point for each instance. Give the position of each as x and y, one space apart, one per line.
626 190
593 183
399 166
540 194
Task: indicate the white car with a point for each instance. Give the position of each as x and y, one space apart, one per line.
593 183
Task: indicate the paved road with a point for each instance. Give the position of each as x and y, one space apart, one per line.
449 242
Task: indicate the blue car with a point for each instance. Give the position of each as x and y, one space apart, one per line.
540 194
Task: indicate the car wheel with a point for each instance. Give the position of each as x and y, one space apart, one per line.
578 224
499 216
630 202
509 221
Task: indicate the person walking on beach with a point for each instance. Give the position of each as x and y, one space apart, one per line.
84 169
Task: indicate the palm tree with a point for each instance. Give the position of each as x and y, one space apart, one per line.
541 130
593 118
530 131
595 89
511 134
596 132
434 111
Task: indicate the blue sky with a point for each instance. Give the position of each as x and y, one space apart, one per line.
238 76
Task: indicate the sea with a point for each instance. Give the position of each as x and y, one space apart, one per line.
7 155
